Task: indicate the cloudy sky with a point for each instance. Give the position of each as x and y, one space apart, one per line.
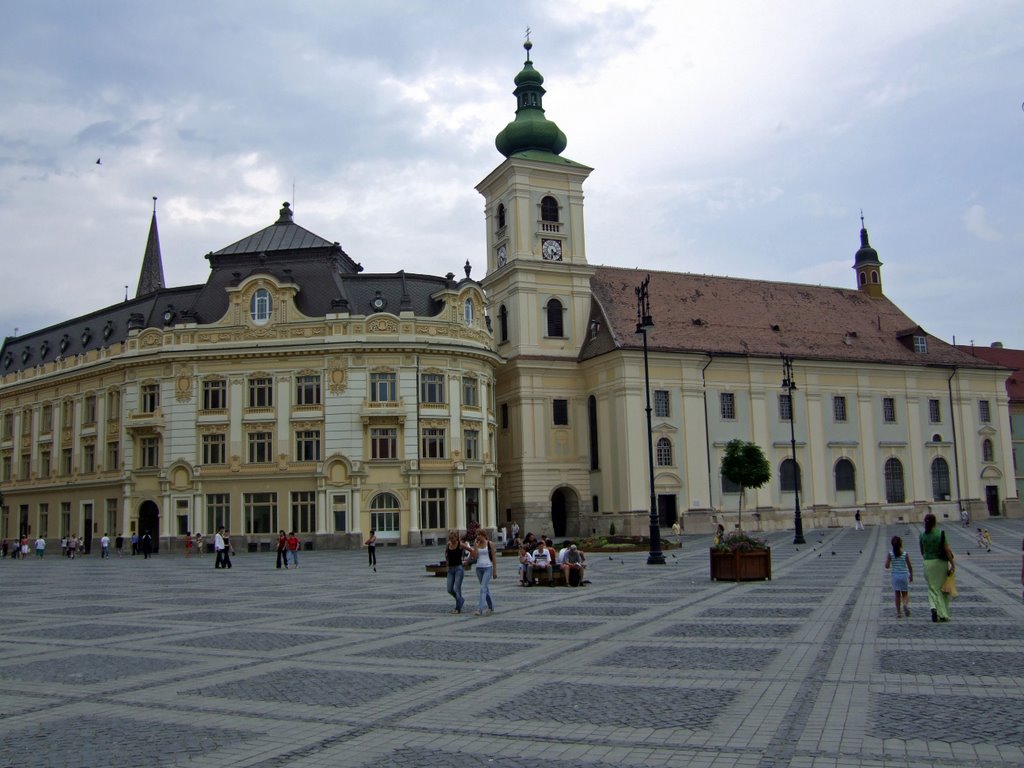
735 138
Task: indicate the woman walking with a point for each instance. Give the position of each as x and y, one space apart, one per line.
282 549
486 569
938 564
371 549
453 553
902 575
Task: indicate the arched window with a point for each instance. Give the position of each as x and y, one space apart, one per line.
874 277
845 476
663 452
789 476
501 215
940 479
260 306
384 513
894 491
988 453
549 209
554 313
592 421
863 279
502 323
467 311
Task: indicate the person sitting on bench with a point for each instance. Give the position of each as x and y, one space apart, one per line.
542 560
525 561
574 561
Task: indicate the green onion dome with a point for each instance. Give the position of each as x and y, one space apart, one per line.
530 130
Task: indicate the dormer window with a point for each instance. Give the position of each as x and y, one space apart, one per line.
65 342
921 345
86 335
260 306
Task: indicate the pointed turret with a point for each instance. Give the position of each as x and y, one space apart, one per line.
867 265
151 278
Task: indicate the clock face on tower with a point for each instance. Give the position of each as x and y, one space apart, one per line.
502 255
551 250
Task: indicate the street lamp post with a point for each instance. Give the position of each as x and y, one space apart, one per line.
644 322
790 386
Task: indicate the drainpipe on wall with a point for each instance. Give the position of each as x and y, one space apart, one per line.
956 450
707 434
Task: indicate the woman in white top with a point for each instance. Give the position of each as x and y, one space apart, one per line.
483 553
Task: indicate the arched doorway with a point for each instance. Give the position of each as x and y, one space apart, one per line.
565 512
149 520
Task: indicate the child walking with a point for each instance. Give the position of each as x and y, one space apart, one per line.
902 575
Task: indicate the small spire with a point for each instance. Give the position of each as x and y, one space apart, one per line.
151 277
285 216
527 45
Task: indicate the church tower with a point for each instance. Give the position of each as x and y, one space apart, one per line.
867 266
539 298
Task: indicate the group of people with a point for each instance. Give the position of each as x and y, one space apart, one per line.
542 558
475 553
287 549
194 544
939 571
19 548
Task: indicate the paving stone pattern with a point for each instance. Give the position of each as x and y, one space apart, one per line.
167 662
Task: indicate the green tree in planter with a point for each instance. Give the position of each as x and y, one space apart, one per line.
745 464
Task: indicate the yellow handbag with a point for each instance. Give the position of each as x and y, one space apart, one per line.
949 585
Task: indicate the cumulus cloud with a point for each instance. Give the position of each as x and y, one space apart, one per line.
977 223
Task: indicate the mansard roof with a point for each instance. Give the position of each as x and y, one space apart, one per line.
730 316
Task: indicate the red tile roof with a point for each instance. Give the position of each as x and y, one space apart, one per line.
1008 358
759 318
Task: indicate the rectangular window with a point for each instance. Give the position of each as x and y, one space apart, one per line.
383 387
218 512
384 522
111 517
46 419
261 392
433 508
472 439
150 398
26 420
261 446
8 431
661 408
113 405
560 412
215 395
839 408
113 455
921 345
504 415
45 466
785 407
307 390
934 411
384 443
65 518
984 412
44 520
26 466
149 453
432 388
88 458
307 445
889 410
260 510
5 469
339 510
215 449
727 405
67 414
433 443
304 511
89 409
66 463
470 392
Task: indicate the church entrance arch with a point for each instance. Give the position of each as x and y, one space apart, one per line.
565 509
149 520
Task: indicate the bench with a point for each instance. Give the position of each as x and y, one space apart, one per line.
438 569
557 577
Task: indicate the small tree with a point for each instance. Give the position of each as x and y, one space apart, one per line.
745 464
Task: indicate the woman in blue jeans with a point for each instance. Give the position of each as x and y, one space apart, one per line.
483 553
453 554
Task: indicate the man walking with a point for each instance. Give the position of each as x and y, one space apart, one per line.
219 547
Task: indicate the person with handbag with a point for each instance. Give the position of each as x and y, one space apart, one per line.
938 566
486 569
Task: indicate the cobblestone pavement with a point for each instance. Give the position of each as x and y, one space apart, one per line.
166 662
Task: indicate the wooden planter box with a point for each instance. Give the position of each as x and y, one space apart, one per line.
741 566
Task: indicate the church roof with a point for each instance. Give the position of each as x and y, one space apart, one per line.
283 235
151 276
730 316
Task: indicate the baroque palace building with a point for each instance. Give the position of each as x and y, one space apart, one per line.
292 390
